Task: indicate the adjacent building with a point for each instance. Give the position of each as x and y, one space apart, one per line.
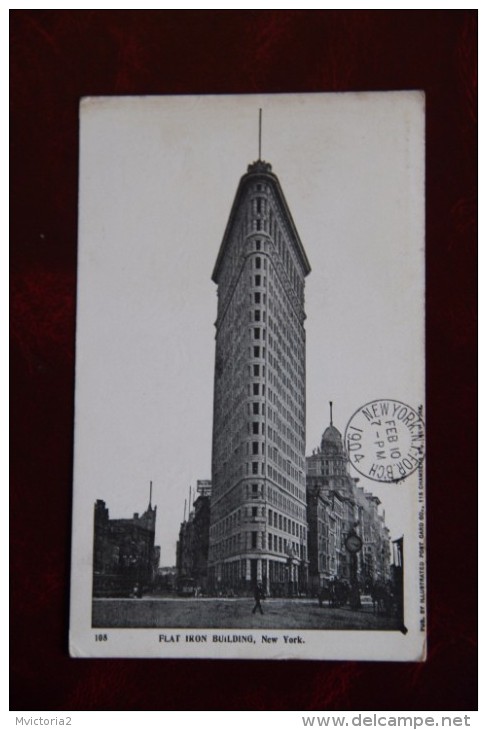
258 523
125 558
338 506
193 543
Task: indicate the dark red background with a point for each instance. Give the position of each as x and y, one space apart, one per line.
59 56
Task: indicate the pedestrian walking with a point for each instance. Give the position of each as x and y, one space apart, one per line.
258 595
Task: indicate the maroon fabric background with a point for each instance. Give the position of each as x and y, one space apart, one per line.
59 56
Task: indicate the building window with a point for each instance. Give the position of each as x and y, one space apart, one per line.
256 388
257 245
270 541
256 333
255 447
255 408
256 351
257 315
257 297
255 427
257 280
258 262
256 371
255 468
254 511
254 539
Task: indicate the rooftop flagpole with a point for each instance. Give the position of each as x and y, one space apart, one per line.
260 133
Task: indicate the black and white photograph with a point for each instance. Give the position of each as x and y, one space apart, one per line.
249 406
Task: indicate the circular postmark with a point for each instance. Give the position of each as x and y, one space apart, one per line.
385 440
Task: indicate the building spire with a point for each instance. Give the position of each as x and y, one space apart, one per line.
150 496
260 133
331 413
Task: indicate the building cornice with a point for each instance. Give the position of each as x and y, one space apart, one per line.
261 170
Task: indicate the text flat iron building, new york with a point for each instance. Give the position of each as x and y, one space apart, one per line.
258 522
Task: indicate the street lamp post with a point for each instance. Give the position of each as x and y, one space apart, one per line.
353 544
289 552
302 582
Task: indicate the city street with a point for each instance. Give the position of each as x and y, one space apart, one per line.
232 613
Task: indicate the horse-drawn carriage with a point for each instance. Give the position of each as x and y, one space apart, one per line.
336 592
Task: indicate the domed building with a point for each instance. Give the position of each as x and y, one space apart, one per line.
336 506
331 442
327 468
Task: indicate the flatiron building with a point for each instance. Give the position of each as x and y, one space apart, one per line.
258 521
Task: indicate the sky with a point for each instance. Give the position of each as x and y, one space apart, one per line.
158 176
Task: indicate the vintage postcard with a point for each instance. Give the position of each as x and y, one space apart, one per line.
249 431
